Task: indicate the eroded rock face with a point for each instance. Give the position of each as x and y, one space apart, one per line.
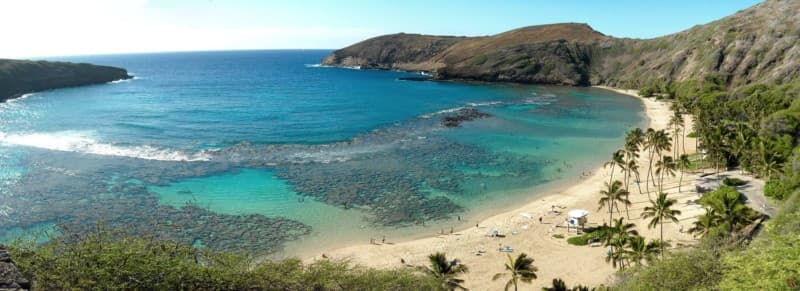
10 277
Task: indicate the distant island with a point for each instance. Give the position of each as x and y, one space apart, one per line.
19 77
756 45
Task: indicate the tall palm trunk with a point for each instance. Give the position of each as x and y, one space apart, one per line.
662 239
611 178
683 138
649 169
627 183
638 184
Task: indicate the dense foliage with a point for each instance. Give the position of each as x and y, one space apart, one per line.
108 261
757 129
772 261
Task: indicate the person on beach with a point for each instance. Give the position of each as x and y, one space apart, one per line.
383 240
540 220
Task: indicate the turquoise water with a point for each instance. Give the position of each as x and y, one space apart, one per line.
265 152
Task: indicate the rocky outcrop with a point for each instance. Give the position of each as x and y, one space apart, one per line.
755 45
462 115
10 277
18 77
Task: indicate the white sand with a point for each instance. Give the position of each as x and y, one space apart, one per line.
553 256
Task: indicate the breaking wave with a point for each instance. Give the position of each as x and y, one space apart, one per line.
82 142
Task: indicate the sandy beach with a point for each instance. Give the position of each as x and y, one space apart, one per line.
554 257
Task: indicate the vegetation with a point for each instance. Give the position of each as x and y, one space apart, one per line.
733 182
560 285
590 235
755 128
660 211
771 261
613 194
519 269
445 271
109 260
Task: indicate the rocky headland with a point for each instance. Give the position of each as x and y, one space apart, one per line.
19 77
755 45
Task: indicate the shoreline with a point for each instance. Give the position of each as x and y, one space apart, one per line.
554 257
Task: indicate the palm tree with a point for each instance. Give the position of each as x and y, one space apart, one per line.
616 236
558 285
661 210
676 122
730 211
662 143
683 163
445 271
639 250
649 144
633 167
617 159
633 141
521 269
665 165
704 223
610 196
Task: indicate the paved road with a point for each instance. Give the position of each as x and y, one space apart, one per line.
753 190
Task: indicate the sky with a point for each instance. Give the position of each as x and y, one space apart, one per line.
38 28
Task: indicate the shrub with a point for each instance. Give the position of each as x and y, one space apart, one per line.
111 261
585 239
777 189
696 269
733 182
647 91
771 262
718 194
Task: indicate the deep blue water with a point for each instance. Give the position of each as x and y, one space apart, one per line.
267 132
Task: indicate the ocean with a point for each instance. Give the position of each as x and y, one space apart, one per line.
269 153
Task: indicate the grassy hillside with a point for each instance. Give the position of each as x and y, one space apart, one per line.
756 45
18 77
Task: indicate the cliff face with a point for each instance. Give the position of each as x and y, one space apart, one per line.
758 44
19 77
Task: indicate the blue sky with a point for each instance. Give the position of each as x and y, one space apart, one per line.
106 26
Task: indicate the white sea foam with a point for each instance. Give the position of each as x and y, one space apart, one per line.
328 66
82 142
445 111
490 103
20 98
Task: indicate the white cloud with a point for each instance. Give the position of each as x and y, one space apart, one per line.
47 28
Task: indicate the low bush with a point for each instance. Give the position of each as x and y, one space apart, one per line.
111 261
588 237
733 182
